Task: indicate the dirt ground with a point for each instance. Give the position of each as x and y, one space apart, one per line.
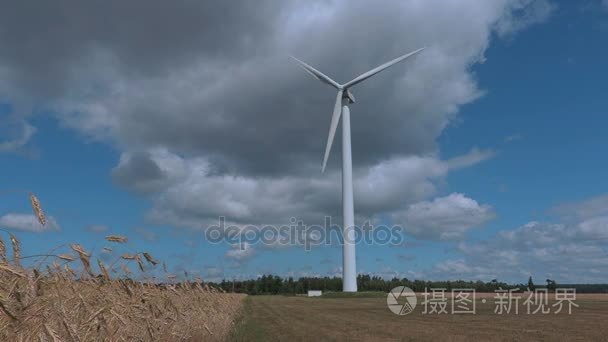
368 319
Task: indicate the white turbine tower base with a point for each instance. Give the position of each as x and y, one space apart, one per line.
349 262
343 99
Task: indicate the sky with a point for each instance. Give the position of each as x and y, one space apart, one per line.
152 120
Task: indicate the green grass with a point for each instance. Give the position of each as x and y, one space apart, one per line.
247 328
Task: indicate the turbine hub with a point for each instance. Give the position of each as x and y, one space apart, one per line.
348 95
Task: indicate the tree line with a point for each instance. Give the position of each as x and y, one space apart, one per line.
273 284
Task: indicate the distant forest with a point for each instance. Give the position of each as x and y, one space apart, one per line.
272 284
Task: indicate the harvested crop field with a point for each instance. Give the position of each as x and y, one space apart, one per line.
368 319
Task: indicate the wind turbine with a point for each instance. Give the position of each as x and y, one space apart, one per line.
343 99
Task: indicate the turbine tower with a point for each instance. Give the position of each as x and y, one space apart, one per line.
343 99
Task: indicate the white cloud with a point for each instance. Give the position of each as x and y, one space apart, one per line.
567 253
595 228
17 143
27 222
524 13
444 218
240 252
592 207
214 272
184 188
475 156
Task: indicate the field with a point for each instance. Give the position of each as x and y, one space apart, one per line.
68 297
337 319
61 303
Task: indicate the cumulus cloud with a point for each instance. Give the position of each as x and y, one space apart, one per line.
212 118
570 252
473 157
27 222
24 130
230 94
444 218
213 271
592 207
240 252
189 194
595 228
522 14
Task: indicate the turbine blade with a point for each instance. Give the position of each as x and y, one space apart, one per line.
317 74
376 70
335 118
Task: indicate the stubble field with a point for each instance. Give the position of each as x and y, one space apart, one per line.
368 319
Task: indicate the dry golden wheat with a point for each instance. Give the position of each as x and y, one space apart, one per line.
140 264
16 249
2 250
84 258
37 209
62 306
116 238
128 256
150 259
103 269
66 257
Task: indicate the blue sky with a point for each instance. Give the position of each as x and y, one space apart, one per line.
529 117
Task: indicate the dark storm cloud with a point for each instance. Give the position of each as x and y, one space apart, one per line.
41 41
140 172
227 123
213 78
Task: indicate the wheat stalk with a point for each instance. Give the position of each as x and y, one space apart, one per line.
103 269
116 238
8 268
16 250
37 209
84 258
150 259
66 257
139 263
2 250
69 270
128 256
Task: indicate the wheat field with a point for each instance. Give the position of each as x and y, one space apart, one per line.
60 297
58 304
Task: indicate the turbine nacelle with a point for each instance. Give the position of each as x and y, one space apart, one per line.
348 95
